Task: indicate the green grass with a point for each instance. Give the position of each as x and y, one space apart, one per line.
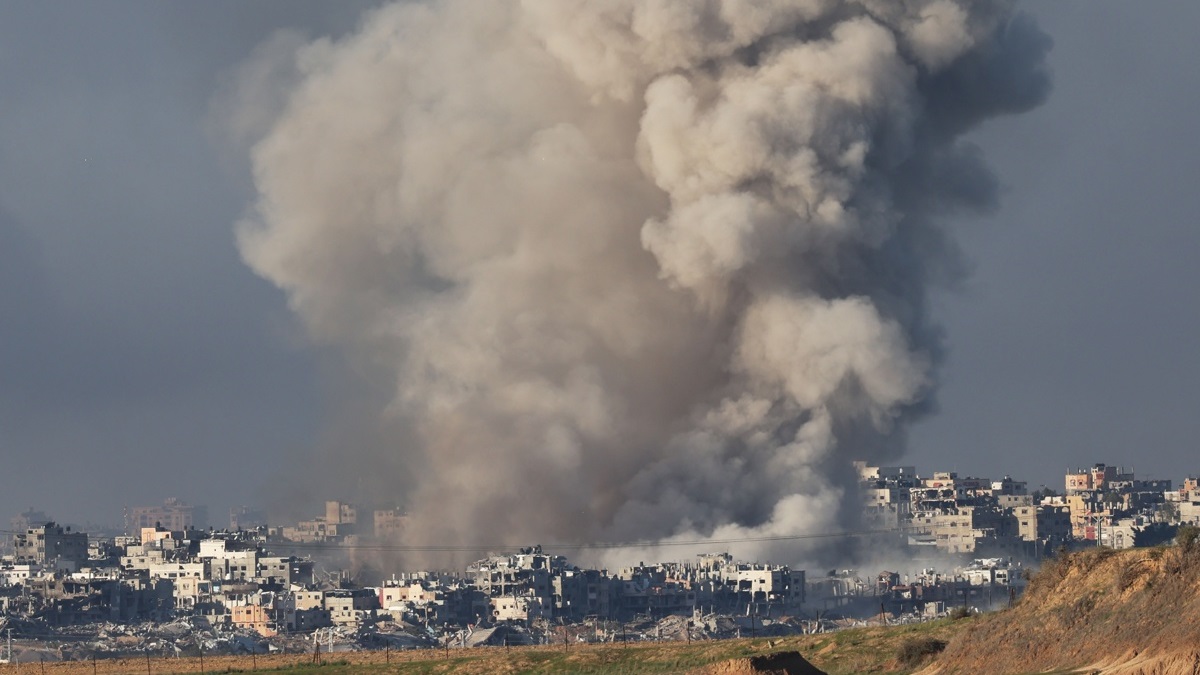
861 650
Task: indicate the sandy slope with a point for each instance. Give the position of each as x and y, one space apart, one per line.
1128 612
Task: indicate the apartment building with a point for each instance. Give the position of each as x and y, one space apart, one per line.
53 545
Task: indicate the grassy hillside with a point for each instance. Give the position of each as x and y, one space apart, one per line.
1132 611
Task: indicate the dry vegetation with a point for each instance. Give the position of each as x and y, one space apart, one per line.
867 650
1133 611
918 650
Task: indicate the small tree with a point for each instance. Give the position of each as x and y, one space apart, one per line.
1042 493
1154 534
1186 537
1168 512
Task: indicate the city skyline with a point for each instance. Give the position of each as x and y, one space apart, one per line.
132 517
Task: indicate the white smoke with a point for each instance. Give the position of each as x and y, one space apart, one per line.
636 269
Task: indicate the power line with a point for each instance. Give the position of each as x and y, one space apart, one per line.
575 546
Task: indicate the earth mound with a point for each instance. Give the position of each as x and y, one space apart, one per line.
1128 612
781 663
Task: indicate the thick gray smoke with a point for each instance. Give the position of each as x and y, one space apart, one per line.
634 269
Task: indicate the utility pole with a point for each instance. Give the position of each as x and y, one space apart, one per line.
9 645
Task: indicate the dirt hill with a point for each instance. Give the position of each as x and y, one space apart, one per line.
780 663
1129 612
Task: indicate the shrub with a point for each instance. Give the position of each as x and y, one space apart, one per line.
1090 559
1129 574
916 650
1084 605
1186 537
1184 557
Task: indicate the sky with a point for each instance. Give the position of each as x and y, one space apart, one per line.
1071 343
140 358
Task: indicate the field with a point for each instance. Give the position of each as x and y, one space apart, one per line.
866 650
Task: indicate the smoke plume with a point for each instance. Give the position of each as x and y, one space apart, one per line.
632 269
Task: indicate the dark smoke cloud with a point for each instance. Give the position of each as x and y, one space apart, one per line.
631 269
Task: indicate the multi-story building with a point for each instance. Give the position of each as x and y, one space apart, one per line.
947 491
1043 523
1190 486
962 530
527 574
340 520
519 608
174 514
285 570
1095 479
886 507
230 559
348 607
1085 509
257 618
390 524
51 544
340 513
1189 509
1009 487
13 574
901 475
246 518
190 592
581 593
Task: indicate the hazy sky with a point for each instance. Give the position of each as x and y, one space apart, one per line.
1073 342
141 359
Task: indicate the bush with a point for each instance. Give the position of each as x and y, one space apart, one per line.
1184 557
1129 574
917 650
1186 537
